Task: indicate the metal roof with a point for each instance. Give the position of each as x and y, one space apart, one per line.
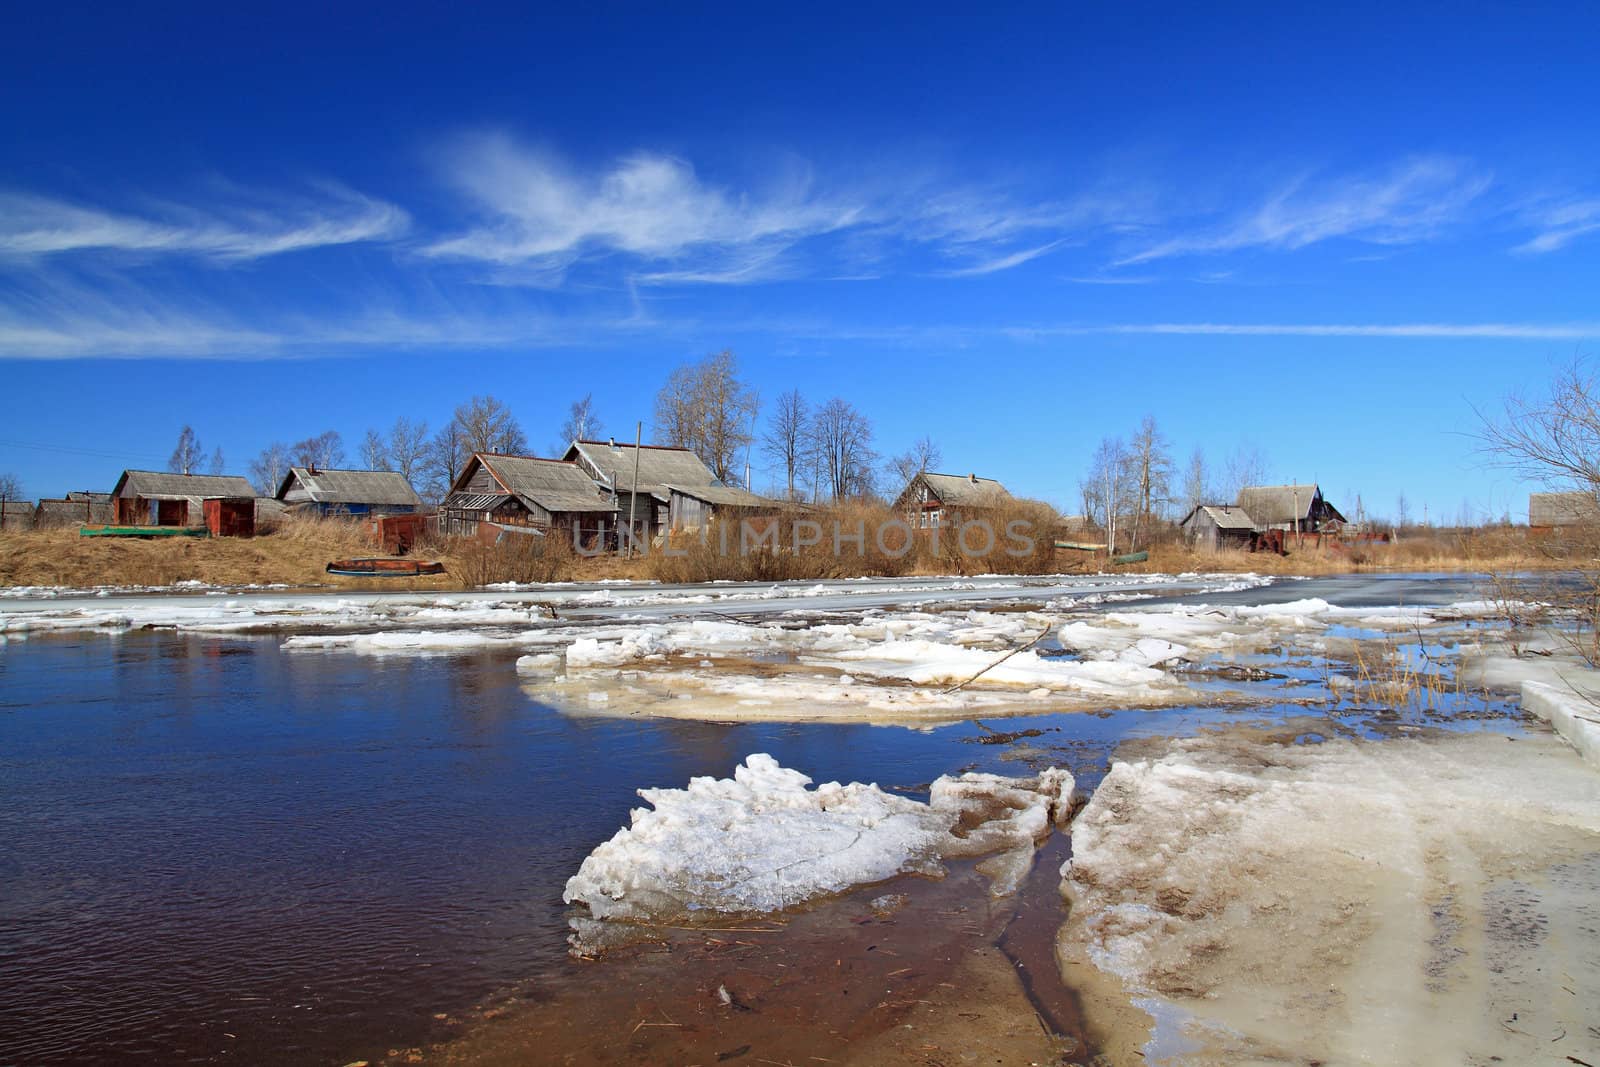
475 501
351 487
965 490
550 483
161 485
727 496
659 465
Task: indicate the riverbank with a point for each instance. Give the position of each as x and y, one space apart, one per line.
296 553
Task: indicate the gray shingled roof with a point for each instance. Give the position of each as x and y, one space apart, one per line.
1227 517
1268 504
384 488
966 490
1563 509
160 485
659 466
727 496
550 483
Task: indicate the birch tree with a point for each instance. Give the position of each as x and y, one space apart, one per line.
487 425
922 456
1196 482
707 408
325 451
1150 472
374 452
842 438
186 456
582 423
407 448
1106 496
787 440
267 469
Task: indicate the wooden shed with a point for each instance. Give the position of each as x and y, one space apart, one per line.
523 491
694 507
1558 511
346 492
75 509
16 515
157 498
1211 527
230 516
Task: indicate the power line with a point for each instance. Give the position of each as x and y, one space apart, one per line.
70 451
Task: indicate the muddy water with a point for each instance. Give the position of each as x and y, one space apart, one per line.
212 851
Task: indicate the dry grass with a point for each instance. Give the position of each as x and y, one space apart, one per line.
1495 549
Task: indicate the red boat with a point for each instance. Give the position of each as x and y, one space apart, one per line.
384 568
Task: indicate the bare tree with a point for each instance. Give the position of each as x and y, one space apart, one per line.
324 451
582 423
1402 512
487 425
374 452
1553 440
447 455
1107 498
407 448
842 438
922 456
218 464
10 487
186 456
788 439
707 408
1196 482
1150 472
1247 466
267 469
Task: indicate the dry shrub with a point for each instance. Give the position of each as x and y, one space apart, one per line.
522 558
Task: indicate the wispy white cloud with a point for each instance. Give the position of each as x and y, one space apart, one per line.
533 207
993 266
1408 203
1561 224
33 225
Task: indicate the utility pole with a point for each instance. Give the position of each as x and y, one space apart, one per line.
633 497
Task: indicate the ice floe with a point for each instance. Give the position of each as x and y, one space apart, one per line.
1350 902
763 841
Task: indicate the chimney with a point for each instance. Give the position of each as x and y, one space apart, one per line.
974 478
613 442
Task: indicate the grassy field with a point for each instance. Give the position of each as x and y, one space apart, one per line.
297 552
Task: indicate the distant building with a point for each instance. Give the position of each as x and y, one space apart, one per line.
1554 511
1299 508
522 492
345 492
620 469
75 509
935 499
1211 527
16 515
157 498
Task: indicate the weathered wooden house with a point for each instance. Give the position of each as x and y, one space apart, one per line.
938 499
157 498
621 469
312 490
1298 508
1559 511
538 495
1211 527
75 509
694 507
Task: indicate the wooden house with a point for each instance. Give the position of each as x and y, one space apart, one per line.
1211 527
930 499
693 507
1298 508
157 498
638 479
537 495
1558 511
344 492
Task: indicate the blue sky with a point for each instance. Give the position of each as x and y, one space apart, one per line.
1324 234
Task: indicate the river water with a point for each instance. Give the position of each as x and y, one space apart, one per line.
214 850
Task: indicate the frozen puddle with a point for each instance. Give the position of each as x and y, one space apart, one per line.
1348 902
763 841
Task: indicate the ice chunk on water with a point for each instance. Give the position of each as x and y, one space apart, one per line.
763 841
